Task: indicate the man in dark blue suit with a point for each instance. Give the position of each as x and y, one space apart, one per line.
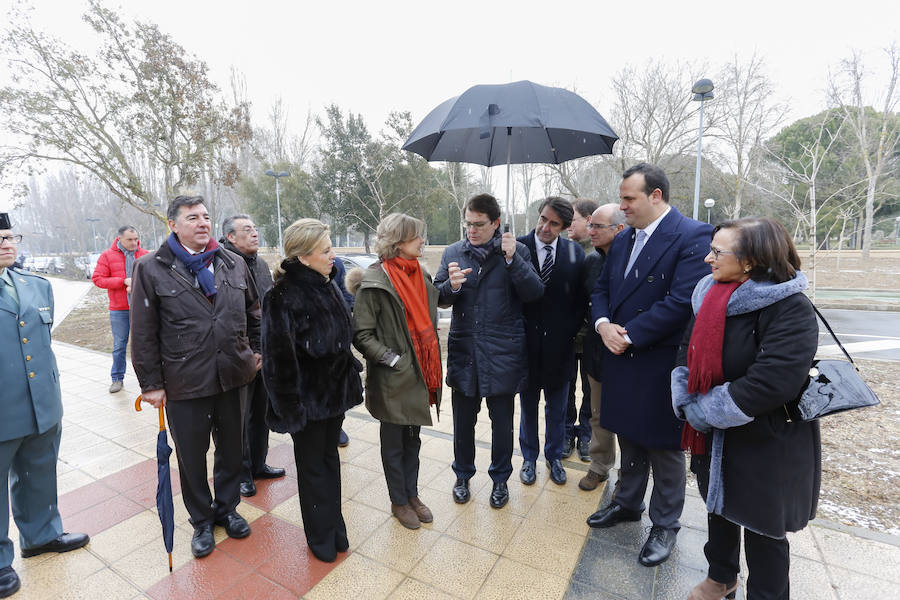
551 323
640 307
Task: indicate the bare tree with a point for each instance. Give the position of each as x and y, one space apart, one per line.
528 172
878 134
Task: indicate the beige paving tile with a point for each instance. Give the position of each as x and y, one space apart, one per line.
104 584
354 449
375 494
397 547
455 567
864 556
354 478
510 579
370 432
50 577
803 544
485 527
370 459
856 586
72 479
149 563
809 580
112 463
82 456
362 521
127 536
438 449
560 510
289 510
430 468
357 577
443 507
521 497
479 483
411 589
546 548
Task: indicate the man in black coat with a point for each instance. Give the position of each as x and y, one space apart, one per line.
640 307
551 323
241 237
485 278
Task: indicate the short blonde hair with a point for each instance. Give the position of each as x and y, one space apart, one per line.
301 239
396 229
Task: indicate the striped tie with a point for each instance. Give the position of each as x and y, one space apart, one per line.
547 267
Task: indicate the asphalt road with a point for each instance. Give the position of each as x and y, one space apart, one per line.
864 333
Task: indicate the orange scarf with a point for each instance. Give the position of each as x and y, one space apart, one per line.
407 278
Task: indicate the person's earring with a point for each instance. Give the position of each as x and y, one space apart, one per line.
746 269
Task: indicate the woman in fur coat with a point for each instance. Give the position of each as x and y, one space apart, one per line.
751 345
396 330
311 376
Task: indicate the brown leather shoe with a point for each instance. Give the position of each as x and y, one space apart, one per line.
406 515
422 511
591 481
712 590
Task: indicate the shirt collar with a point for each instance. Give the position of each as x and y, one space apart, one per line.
540 245
5 277
649 229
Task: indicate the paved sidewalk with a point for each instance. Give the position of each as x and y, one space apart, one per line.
537 547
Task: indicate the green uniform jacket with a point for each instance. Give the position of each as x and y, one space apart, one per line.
393 394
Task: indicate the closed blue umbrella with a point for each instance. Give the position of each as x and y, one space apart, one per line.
512 123
164 502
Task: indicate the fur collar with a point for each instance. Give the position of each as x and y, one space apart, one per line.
296 271
752 295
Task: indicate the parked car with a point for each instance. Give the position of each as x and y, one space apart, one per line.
87 264
361 260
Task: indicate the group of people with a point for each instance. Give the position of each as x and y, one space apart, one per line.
685 337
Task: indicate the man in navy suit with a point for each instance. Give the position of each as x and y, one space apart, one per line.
551 323
640 307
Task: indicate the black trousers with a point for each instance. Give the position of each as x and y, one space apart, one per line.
319 483
256 433
581 430
465 415
400 458
191 422
667 497
768 559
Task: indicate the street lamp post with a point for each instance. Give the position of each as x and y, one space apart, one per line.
897 230
272 173
702 90
708 203
93 230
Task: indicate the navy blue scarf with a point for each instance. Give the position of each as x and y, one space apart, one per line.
481 252
197 264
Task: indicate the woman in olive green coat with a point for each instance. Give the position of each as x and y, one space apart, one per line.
395 315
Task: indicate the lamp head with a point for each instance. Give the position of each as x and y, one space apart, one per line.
703 86
709 203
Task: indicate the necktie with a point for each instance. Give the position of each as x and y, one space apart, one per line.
547 267
638 246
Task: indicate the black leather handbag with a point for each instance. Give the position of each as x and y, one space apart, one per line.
834 386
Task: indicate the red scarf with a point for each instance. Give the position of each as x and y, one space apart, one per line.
407 278
704 357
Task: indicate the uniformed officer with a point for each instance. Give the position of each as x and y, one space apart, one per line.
30 415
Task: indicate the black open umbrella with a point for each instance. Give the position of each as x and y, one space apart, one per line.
512 123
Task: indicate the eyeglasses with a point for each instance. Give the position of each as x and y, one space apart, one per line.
601 226
12 239
717 253
477 225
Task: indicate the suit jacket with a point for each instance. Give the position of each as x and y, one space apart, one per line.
653 304
553 320
31 401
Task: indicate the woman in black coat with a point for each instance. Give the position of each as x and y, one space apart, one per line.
311 376
751 346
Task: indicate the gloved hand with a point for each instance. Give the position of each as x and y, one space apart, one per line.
696 418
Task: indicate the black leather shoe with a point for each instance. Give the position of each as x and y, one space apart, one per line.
64 543
203 541
9 582
658 546
568 446
557 472
584 449
235 525
526 473
268 472
499 494
461 491
248 488
343 439
611 515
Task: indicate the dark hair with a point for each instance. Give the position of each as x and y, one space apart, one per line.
125 228
228 224
561 207
179 201
484 203
654 178
585 207
767 246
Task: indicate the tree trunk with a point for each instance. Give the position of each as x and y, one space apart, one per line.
813 242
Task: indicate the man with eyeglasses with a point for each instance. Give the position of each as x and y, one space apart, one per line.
30 415
240 235
485 278
640 307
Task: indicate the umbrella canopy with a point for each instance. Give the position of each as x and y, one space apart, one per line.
164 504
512 123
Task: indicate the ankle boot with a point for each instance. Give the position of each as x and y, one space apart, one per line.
422 511
713 590
406 515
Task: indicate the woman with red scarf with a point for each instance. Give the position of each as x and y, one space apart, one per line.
396 330
751 345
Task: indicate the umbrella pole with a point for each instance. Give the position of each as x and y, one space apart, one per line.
508 156
162 419
170 562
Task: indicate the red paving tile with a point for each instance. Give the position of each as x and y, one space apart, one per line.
270 537
202 579
272 492
102 516
84 497
297 569
133 476
257 587
145 494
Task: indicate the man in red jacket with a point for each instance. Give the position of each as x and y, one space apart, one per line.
113 273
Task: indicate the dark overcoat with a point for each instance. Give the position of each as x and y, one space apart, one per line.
486 346
552 322
654 305
771 467
592 343
308 369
